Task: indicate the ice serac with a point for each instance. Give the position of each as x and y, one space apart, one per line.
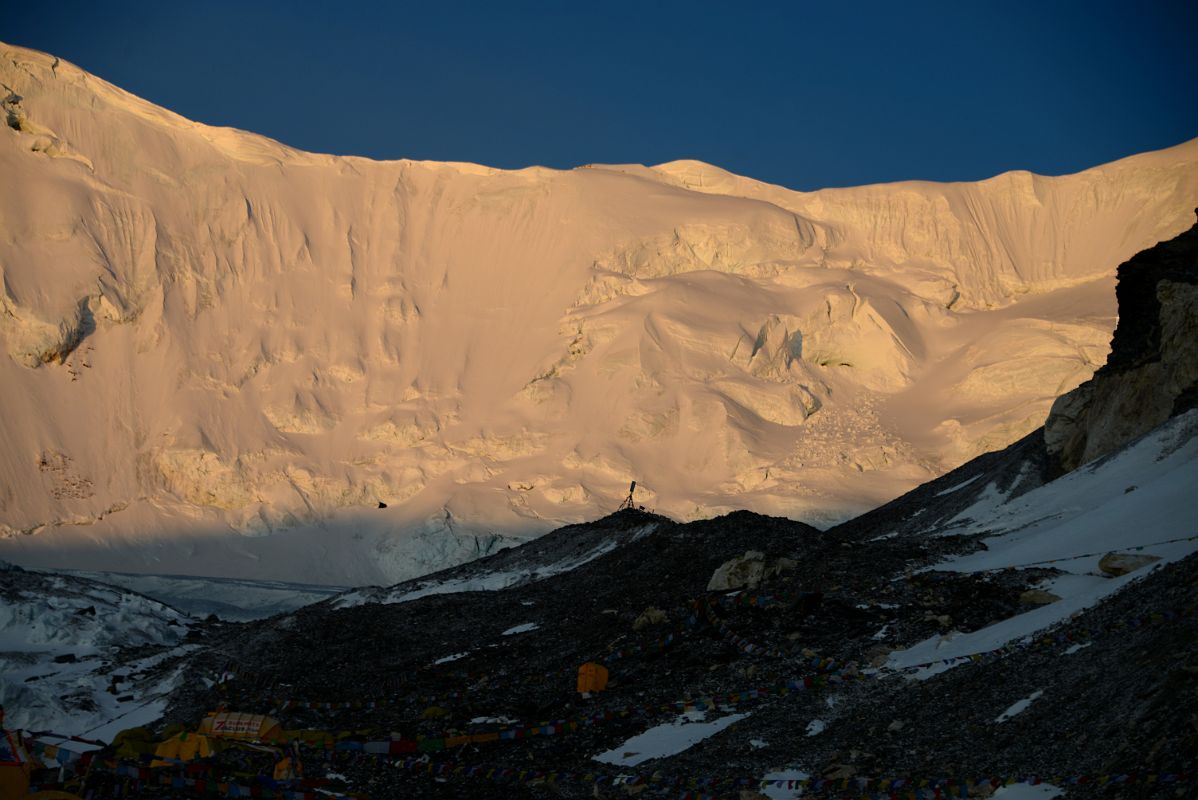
220 354
1152 372
77 654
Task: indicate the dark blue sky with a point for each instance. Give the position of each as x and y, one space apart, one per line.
797 93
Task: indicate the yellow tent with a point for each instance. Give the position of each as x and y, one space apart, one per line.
183 747
243 727
134 743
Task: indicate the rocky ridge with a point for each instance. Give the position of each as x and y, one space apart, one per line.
1152 371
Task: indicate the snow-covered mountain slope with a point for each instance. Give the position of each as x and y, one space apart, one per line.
80 657
228 598
220 354
1134 503
992 645
570 548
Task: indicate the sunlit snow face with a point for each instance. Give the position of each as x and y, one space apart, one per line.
276 342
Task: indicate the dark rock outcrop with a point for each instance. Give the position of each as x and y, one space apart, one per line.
1152 371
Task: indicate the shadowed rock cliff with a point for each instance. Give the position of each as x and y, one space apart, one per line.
1152 371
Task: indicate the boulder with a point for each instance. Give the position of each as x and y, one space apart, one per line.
839 772
878 655
650 616
780 566
1037 597
739 573
1116 564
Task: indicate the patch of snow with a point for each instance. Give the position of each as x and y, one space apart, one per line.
816 727
1074 648
485 582
488 582
758 744
451 657
990 499
784 784
959 486
642 532
664 740
227 598
491 721
523 628
65 743
1070 583
1086 511
134 717
1019 706
1021 627
881 634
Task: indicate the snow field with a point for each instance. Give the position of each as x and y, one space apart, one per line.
1086 511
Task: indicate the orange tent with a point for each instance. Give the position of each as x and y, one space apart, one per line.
592 677
288 769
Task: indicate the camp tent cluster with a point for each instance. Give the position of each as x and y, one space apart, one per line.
19 767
